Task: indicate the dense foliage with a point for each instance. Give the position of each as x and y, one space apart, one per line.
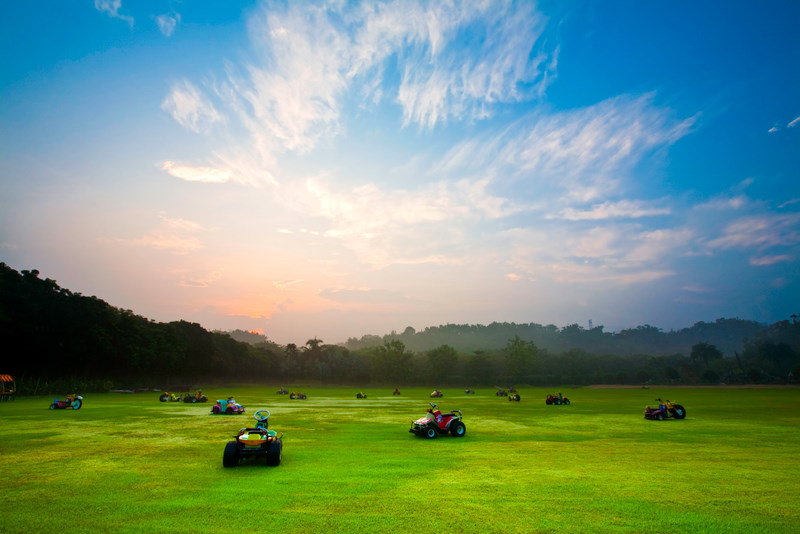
59 333
66 338
728 335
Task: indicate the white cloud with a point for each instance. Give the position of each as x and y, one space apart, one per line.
576 156
167 23
724 202
190 108
310 59
657 244
759 232
770 260
607 210
794 123
112 7
192 173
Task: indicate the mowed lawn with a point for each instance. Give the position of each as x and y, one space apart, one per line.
128 463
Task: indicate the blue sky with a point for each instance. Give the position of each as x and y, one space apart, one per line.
335 169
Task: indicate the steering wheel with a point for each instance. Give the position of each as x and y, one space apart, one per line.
434 406
260 417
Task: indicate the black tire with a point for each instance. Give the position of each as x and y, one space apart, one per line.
430 432
215 410
230 458
274 452
76 404
566 401
548 401
660 417
228 410
163 397
53 406
457 429
679 411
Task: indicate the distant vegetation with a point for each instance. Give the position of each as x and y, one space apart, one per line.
66 341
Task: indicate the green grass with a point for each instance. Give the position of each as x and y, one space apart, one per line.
128 463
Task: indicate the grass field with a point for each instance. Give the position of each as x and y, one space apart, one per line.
128 463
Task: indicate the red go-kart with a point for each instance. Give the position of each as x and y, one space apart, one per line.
556 399
436 394
435 422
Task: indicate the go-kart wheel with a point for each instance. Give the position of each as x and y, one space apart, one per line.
230 458
215 410
53 406
566 401
163 398
228 410
660 417
457 429
260 417
430 433
274 452
76 404
679 411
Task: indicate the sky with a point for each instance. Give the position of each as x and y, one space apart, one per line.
335 169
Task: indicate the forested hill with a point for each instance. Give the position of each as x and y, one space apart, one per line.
728 335
57 333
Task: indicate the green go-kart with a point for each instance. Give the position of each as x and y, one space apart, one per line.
256 441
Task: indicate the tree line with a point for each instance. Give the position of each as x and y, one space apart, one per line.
64 338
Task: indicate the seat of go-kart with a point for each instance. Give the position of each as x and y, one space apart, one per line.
254 436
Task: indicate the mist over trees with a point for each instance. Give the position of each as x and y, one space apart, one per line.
56 337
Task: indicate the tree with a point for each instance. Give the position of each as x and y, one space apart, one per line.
441 362
394 361
705 352
519 357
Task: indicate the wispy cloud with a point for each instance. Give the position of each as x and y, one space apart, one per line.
724 202
191 278
769 260
193 173
794 123
310 61
167 23
632 209
190 108
578 156
178 236
759 232
112 7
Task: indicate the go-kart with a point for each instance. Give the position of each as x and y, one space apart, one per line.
283 391
171 397
435 422
436 394
228 407
556 399
469 391
501 392
361 395
665 410
396 391
197 397
297 395
256 441
72 401
514 397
